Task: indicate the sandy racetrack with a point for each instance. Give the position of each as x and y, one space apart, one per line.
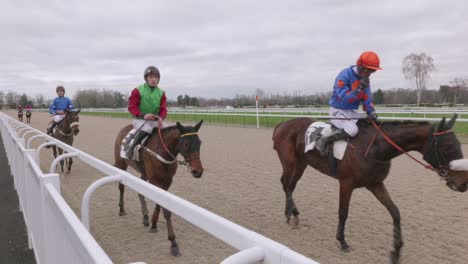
242 183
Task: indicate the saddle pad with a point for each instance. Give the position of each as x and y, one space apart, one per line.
319 129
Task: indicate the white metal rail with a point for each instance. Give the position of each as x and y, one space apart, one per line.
33 186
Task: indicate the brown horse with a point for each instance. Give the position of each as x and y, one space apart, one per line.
158 165
28 116
20 115
65 132
367 163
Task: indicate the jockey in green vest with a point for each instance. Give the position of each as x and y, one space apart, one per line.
147 103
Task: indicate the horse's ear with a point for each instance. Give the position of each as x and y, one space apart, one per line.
441 125
77 112
197 126
452 121
179 126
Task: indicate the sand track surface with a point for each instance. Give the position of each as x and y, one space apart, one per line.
242 183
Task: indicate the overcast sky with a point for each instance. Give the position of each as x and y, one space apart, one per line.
222 48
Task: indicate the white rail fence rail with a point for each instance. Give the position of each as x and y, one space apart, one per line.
57 235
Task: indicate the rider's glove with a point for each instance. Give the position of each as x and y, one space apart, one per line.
373 116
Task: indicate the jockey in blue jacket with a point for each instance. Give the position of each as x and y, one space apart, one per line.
58 108
351 88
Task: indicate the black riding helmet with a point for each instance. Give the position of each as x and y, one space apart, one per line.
151 70
59 88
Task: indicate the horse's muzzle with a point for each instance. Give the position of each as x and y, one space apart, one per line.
197 173
454 187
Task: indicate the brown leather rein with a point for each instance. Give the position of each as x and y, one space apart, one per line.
442 173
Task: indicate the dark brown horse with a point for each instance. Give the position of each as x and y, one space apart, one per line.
437 142
65 131
28 116
166 143
20 115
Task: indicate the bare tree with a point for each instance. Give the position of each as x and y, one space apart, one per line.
418 67
40 101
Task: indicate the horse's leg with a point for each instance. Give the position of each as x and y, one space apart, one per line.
155 218
121 200
293 168
346 190
170 233
54 150
70 162
121 164
380 192
60 151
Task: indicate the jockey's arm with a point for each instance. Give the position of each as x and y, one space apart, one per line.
367 103
163 107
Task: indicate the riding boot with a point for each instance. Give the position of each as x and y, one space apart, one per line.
136 140
51 128
323 143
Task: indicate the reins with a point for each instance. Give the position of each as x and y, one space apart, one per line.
391 142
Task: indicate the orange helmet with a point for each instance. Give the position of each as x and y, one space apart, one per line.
370 60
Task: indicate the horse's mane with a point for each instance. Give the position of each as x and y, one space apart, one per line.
365 123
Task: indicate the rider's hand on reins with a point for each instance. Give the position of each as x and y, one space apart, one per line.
151 117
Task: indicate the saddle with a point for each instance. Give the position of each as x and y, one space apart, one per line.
125 144
318 129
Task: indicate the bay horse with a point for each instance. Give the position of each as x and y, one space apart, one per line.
65 131
28 116
20 115
158 164
367 161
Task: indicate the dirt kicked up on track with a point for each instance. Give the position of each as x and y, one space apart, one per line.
242 183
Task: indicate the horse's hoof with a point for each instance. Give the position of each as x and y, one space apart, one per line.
295 222
394 257
153 230
175 251
346 249
122 213
145 220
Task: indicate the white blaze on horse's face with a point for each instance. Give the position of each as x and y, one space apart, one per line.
459 165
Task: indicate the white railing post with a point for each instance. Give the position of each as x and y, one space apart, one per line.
53 179
247 256
89 192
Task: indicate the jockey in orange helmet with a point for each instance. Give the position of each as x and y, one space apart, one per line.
351 87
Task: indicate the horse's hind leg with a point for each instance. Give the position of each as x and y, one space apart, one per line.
346 190
60 151
380 192
121 164
154 219
293 168
121 200
170 233
144 210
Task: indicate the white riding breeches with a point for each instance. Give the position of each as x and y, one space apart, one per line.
349 125
148 126
58 118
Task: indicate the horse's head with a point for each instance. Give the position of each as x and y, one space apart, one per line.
189 147
444 153
72 120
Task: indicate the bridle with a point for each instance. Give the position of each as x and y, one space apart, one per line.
70 126
438 167
184 162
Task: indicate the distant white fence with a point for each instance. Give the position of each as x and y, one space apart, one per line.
57 235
